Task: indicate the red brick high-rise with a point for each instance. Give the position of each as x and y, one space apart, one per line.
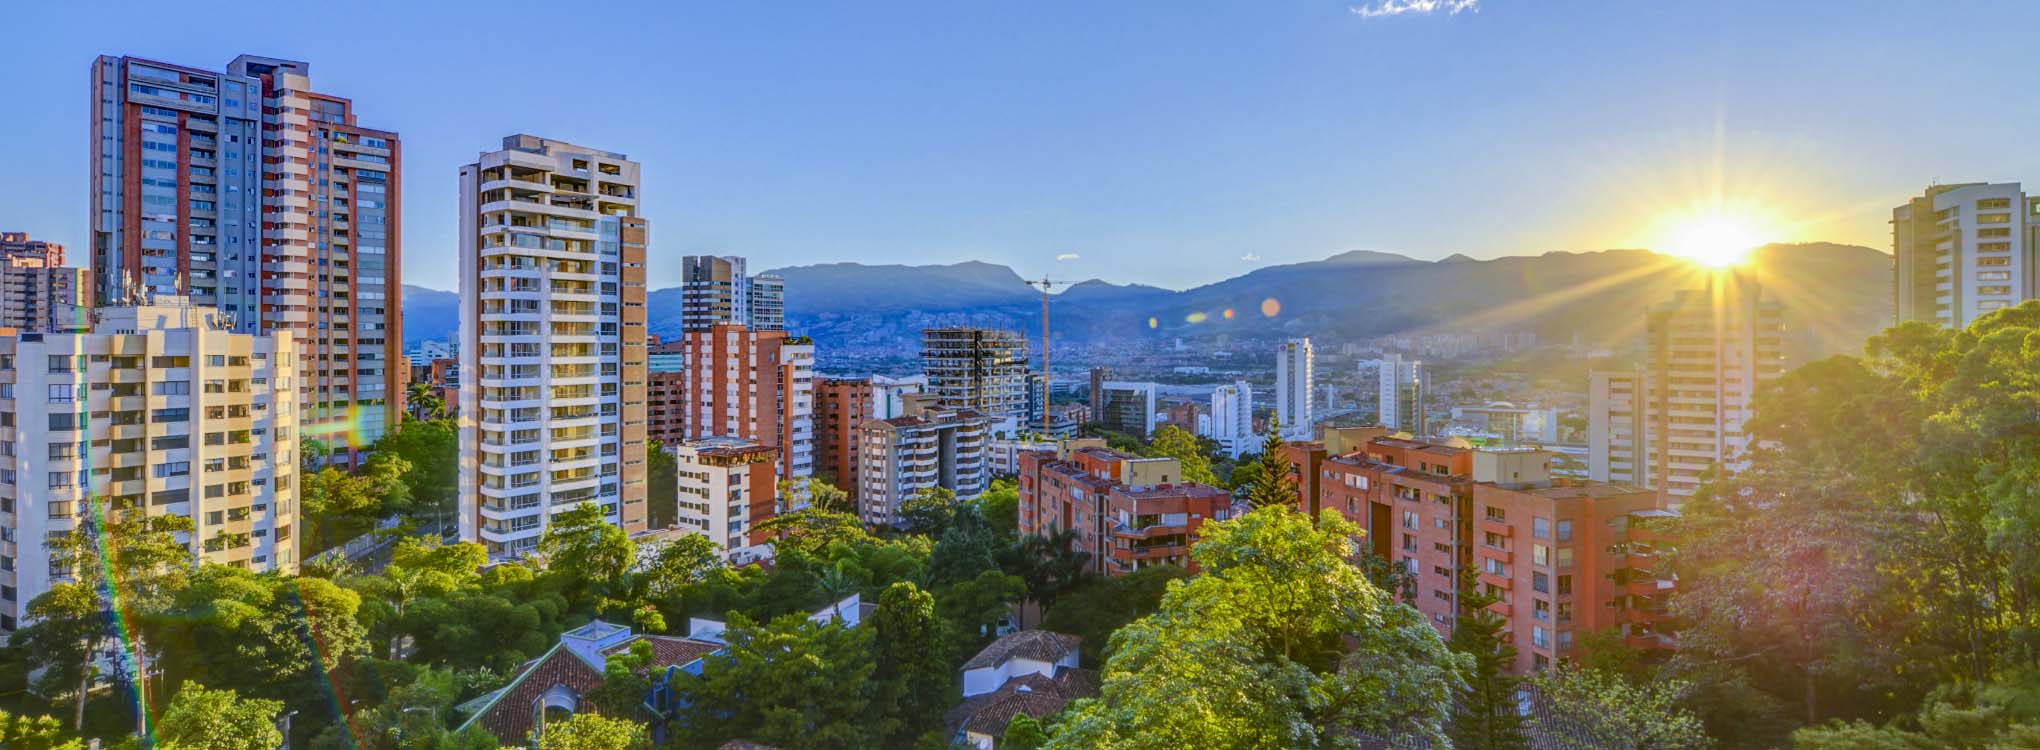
842 405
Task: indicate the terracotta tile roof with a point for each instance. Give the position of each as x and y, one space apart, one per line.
508 714
1039 645
1032 694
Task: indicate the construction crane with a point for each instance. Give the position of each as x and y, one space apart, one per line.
1044 284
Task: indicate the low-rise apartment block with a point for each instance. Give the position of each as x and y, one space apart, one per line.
727 487
1128 512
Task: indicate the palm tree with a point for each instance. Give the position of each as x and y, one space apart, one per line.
837 586
1050 566
425 404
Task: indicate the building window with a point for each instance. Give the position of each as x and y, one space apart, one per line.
1540 554
1540 528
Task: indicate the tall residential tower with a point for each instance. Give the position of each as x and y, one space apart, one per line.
552 350
253 194
1293 388
716 290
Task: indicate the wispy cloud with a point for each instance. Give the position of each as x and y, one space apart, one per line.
1068 256
1388 8
1251 257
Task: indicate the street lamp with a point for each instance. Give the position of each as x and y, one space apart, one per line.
285 721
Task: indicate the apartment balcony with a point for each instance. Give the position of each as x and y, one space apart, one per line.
1502 555
1500 582
1492 526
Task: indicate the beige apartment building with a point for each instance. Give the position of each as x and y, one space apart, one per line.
552 349
163 409
928 446
1688 407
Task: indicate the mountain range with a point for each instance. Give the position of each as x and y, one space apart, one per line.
1834 296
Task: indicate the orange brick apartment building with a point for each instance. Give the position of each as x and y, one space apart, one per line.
1565 557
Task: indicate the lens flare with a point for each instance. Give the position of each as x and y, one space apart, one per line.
1196 317
1270 307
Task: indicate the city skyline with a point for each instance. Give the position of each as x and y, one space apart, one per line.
1053 143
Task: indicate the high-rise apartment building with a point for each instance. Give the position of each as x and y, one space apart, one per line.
1232 418
552 352
980 369
1615 427
1564 557
163 409
1293 388
251 193
1126 408
1707 351
757 385
1962 251
1399 400
716 289
842 406
928 446
727 486
37 291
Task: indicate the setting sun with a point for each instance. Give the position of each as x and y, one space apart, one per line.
1718 240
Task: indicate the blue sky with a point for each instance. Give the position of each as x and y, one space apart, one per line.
1171 142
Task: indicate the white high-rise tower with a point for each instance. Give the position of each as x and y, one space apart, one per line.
1293 388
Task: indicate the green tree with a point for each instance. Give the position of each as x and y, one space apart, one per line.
1585 710
1272 483
200 718
586 553
422 403
974 608
127 565
917 680
1023 733
430 450
678 563
19 732
999 504
789 683
1100 607
810 531
268 636
1050 566
1175 442
1280 643
815 493
929 512
337 506
594 732
1485 716
626 681
662 487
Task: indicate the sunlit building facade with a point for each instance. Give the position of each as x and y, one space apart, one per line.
163 409
1961 251
553 348
253 194
1293 388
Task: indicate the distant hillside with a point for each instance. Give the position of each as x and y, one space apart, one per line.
1835 296
429 314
